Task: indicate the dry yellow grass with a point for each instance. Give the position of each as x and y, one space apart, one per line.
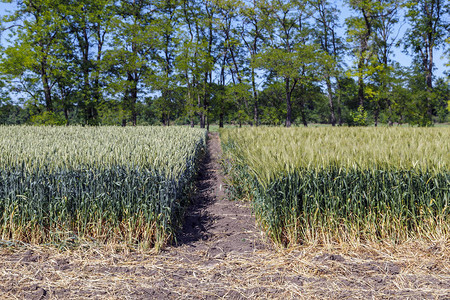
413 270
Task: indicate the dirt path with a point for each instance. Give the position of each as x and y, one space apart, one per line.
215 226
221 254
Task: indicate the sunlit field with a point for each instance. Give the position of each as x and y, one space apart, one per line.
110 184
343 184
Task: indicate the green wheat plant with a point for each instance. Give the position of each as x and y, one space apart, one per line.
343 184
108 184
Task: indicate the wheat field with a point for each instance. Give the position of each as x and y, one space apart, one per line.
109 184
343 184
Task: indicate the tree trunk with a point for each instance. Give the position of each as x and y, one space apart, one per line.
221 120
190 101
201 114
97 94
303 114
46 85
255 100
390 123
133 99
330 101
361 91
66 116
429 80
364 47
428 55
377 114
288 103
205 100
289 90
339 112
84 44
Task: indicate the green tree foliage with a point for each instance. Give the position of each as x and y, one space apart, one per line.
429 28
253 33
33 62
382 66
326 20
273 62
360 30
288 52
89 22
133 48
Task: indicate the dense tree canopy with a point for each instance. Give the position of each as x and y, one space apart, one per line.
274 62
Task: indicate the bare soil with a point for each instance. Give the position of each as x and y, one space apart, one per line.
221 253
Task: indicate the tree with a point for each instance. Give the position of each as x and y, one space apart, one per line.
428 30
133 50
253 35
88 22
162 80
383 68
33 61
360 30
195 61
273 105
230 58
442 95
191 61
326 20
287 53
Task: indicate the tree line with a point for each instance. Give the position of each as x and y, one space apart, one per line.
273 62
